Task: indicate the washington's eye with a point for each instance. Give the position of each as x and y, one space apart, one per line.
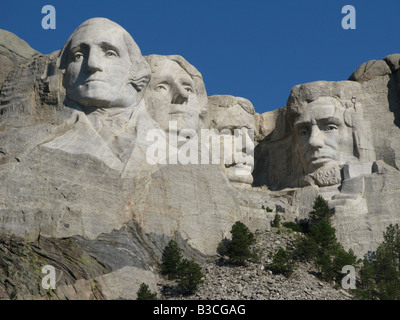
331 127
78 56
111 53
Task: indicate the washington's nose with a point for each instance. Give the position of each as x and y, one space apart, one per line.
180 96
93 62
316 137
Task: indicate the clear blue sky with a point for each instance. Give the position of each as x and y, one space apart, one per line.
256 49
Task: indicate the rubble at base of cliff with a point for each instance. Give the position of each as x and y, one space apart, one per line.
224 281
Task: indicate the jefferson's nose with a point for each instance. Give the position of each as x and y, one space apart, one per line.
316 138
180 95
93 62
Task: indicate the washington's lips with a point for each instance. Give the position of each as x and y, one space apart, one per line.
93 80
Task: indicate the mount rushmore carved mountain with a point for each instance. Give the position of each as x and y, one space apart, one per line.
81 191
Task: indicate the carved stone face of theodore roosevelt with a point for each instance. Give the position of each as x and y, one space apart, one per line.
233 118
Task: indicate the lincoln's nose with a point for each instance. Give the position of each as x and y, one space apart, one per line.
316 140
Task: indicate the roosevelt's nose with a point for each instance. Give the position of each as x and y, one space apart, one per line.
94 62
179 95
316 140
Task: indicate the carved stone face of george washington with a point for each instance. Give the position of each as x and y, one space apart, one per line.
99 69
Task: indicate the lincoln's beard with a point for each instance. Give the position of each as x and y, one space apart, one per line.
325 176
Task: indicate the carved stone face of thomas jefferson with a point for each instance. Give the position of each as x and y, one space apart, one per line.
322 137
99 70
172 95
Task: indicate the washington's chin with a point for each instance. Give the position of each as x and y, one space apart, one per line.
98 96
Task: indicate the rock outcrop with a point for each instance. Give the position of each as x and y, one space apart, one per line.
80 190
13 52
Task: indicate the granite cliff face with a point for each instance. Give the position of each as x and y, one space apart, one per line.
81 191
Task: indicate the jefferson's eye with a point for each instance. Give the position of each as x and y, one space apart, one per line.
111 53
161 88
188 89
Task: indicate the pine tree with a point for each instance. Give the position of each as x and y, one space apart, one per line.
189 275
239 247
306 248
282 262
324 235
277 220
387 264
367 288
171 259
144 293
321 211
321 245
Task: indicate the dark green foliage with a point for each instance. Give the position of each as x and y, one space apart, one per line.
268 209
367 281
294 226
187 272
13 295
222 248
332 262
239 247
321 245
277 221
282 262
306 248
189 276
343 258
321 211
324 235
144 293
380 278
171 259
324 262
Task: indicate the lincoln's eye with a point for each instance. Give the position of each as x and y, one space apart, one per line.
303 132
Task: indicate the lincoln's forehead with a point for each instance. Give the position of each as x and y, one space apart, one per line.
322 109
